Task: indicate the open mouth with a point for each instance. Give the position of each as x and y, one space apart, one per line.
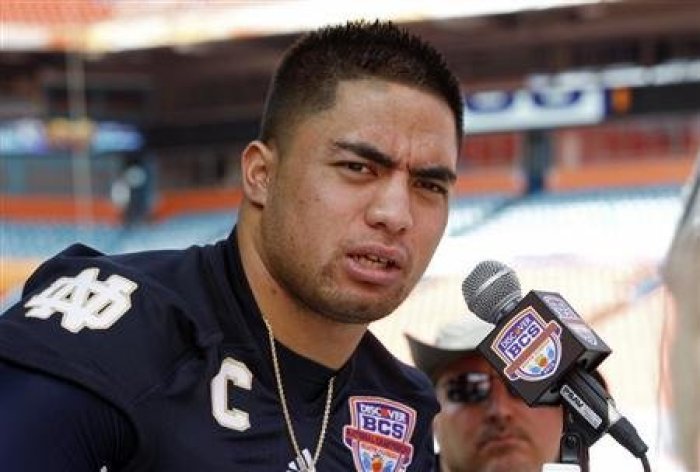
374 261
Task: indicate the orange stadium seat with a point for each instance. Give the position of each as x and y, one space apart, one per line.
55 12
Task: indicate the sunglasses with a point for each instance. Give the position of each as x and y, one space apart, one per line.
472 387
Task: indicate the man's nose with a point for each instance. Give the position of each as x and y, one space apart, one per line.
501 403
391 204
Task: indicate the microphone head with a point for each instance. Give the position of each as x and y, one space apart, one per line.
489 289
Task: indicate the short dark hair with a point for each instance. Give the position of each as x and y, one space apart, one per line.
308 75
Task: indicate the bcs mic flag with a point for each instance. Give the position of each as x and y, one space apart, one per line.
539 338
544 351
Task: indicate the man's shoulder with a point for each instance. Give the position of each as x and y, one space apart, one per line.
103 320
85 290
147 267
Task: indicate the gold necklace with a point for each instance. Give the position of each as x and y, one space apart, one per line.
306 463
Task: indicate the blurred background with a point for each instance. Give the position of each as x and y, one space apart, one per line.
121 124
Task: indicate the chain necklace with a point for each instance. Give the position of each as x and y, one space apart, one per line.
307 464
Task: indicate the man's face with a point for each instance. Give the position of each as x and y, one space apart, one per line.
500 433
358 200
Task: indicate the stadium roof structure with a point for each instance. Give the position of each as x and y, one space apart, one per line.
212 59
116 25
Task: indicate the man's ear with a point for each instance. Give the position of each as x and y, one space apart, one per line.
257 167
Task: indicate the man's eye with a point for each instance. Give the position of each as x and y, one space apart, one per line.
433 187
356 166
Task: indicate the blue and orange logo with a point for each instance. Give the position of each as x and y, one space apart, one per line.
529 347
379 434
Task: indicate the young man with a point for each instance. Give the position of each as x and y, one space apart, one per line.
481 426
253 354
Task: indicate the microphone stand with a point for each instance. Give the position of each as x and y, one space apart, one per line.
573 448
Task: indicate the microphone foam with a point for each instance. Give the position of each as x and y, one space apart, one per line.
489 288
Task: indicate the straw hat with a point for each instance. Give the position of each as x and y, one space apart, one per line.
454 339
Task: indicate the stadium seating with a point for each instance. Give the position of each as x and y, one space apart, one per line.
40 240
547 223
639 221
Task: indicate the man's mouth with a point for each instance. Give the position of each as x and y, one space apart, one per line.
374 261
502 438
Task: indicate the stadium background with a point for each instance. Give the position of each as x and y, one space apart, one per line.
121 123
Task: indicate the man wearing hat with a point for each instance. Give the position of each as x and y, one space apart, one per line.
482 427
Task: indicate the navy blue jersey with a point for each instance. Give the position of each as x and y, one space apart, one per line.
175 342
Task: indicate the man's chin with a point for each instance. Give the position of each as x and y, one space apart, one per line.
509 460
360 308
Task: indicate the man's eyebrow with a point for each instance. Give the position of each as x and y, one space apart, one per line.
373 154
368 152
441 173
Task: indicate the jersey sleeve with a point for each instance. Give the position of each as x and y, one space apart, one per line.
53 425
98 323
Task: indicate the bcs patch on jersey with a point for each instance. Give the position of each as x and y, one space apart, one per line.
529 347
379 434
84 301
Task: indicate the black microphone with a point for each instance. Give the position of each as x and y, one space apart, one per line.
544 351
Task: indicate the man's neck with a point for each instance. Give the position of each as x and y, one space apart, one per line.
307 333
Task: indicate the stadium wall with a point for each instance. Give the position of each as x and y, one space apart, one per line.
493 180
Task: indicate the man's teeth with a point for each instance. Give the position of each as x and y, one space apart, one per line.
373 261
